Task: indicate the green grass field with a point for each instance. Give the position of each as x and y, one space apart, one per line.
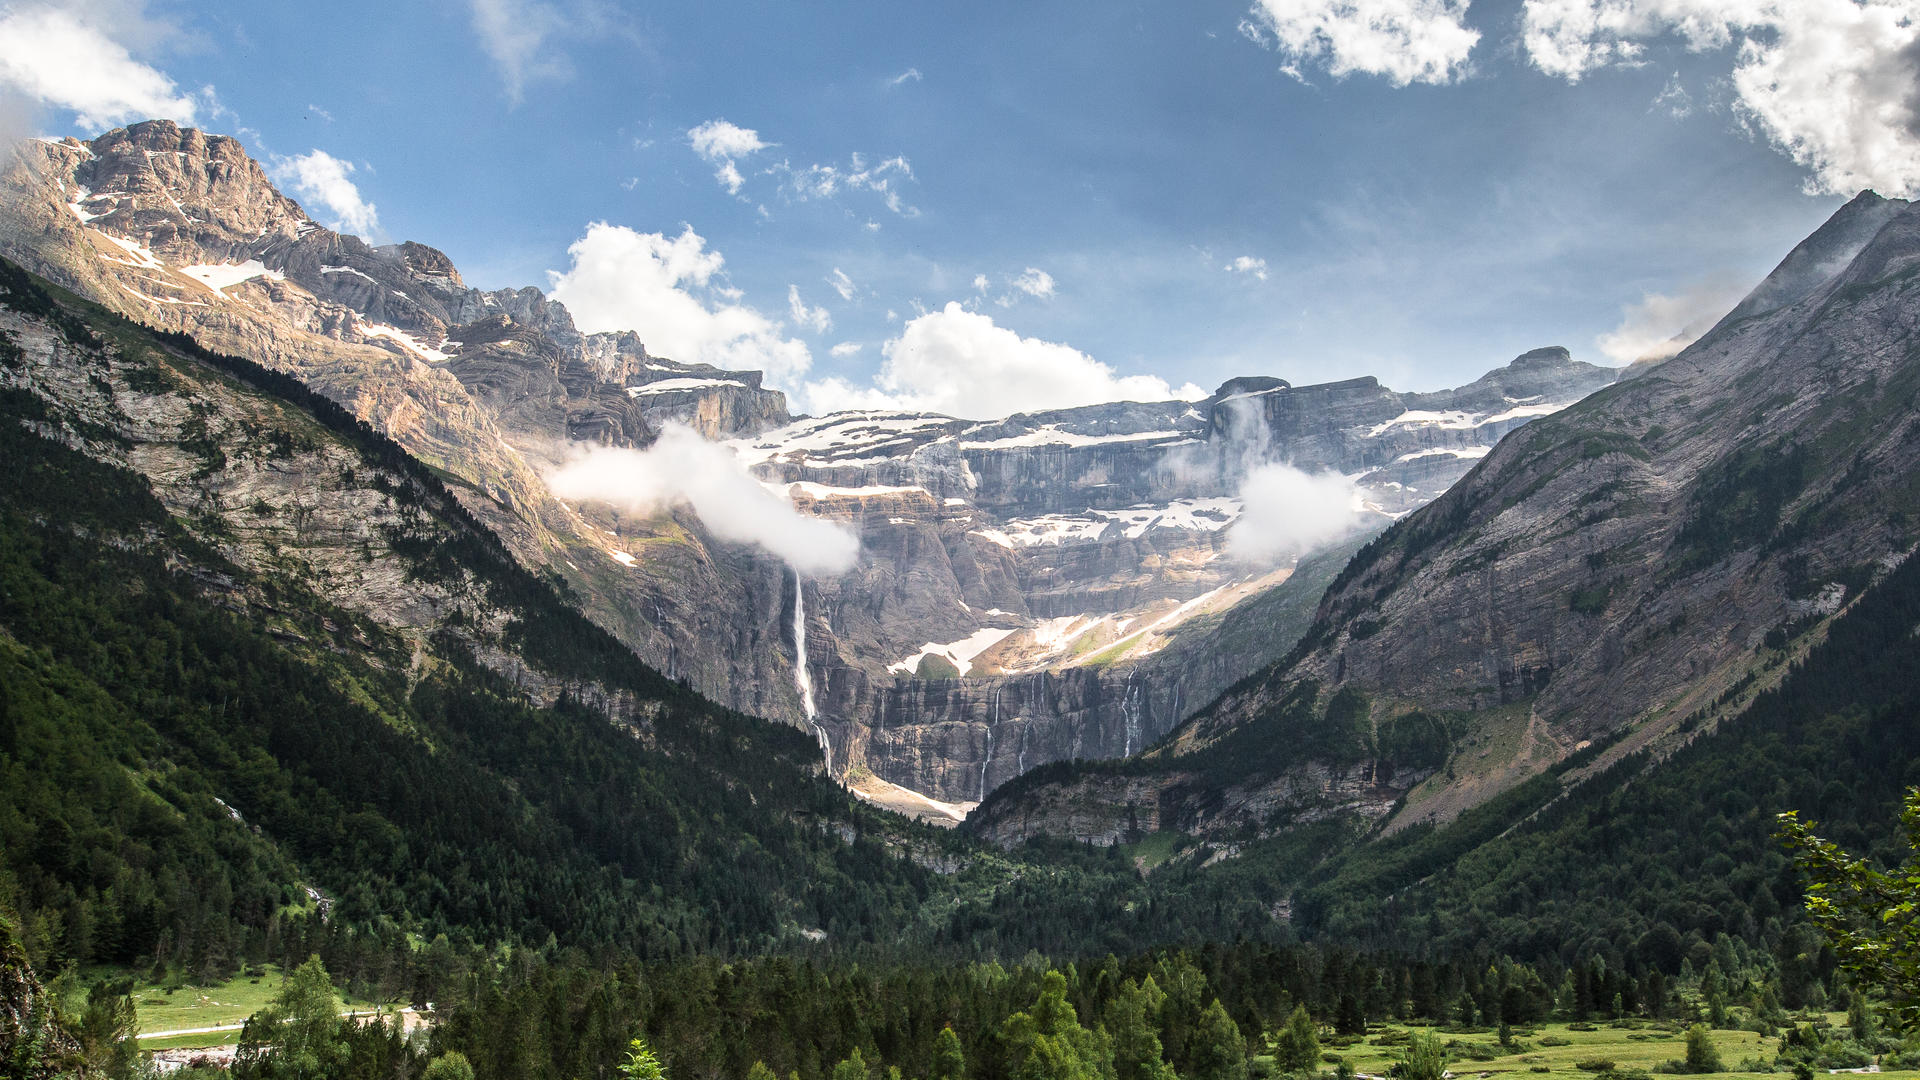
230 1002
1555 1049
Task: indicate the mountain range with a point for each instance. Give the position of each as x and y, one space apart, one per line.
1043 587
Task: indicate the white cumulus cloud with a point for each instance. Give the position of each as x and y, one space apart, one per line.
1286 512
647 282
321 178
1832 83
723 144
961 363
846 349
1659 325
816 319
1405 41
683 468
842 284
53 57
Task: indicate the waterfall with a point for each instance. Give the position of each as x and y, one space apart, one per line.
988 760
801 677
1020 766
1130 708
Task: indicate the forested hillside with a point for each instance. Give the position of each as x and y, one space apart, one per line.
198 737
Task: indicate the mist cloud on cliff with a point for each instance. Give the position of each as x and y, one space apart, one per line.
683 468
1288 512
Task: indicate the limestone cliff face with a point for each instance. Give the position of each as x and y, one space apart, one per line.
1656 552
1054 585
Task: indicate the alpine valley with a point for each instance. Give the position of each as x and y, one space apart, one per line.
307 650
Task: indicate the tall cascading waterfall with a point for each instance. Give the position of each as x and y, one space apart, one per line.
988 760
801 677
1130 709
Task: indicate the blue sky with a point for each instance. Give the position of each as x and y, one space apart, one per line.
1315 189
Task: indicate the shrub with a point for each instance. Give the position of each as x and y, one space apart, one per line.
1702 1057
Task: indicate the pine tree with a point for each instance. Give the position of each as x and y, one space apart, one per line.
1133 1021
641 1063
1426 1059
300 1036
853 1067
1217 1051
452 1065
949 1060
1701 1055
1297 1047
1049 1043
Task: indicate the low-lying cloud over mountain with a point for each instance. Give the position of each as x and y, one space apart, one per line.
682 467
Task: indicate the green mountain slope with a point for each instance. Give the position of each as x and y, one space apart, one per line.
1655 857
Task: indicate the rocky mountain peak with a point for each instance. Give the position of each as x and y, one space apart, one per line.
186 194
1820 256
1552 356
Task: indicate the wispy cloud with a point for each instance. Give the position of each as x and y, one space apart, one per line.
1031 282
518 36
1035 282
816 319
1659 325
1286 512
1247 264
723 144
883 178
912 74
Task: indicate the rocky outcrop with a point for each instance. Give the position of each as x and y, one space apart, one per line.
1649 555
